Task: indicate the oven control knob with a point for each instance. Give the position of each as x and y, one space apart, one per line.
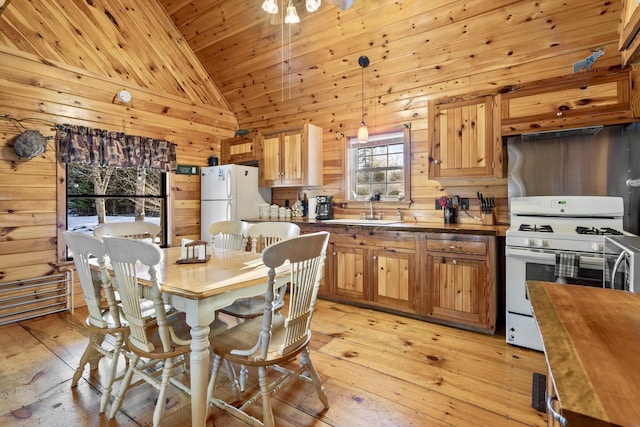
597 247
528 242
541 243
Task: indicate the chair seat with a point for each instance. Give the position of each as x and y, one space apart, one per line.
248 308
243 336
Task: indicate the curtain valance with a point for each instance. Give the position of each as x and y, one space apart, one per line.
106 148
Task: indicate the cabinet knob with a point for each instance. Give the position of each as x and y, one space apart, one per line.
559 114
436 161
455 247
455 261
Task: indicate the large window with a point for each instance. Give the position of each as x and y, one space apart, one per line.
379 168
99 194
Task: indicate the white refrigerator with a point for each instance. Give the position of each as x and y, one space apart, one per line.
229 192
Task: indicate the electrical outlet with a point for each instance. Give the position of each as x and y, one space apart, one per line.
438 207
464 203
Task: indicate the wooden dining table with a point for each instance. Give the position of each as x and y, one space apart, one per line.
199 290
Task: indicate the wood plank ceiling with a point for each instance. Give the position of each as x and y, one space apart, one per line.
273 74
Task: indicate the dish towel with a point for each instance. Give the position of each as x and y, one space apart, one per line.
567 264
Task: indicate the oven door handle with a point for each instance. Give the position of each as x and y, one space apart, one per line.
550 257
537 255
616 266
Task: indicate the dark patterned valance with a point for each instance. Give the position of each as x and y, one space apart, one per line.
100 147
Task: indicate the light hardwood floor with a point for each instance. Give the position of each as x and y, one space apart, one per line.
378 369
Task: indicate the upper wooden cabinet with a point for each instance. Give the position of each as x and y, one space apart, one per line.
241 149
464 139
598 97
629 45
291 158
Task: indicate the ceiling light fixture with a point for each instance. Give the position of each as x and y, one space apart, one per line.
312 5
291 16
270 6
363 132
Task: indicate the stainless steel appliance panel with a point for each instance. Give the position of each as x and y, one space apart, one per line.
581 164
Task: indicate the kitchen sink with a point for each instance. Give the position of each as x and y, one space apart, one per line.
355 221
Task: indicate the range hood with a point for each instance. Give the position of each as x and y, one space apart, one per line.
564 133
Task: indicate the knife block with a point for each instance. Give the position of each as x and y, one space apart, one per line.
489 218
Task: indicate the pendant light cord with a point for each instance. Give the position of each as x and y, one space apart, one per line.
362 95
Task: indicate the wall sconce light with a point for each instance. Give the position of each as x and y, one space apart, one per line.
363 132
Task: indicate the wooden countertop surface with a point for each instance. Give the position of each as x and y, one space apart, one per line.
591 339
428 227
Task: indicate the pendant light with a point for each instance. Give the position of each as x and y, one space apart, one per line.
363 132
291 16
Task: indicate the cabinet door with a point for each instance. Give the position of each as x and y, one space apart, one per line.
291 159
270 172
571 102
240 150
350 272
462 139
458 291
629 40
394 279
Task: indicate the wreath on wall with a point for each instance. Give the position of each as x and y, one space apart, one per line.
29 144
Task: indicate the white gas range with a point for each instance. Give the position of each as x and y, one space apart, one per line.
556 239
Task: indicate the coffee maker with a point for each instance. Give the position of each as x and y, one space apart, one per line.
324 207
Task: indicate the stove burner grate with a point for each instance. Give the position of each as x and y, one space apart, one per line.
539 228
598 231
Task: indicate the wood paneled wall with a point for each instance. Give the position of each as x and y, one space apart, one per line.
418 50
220 64
64 62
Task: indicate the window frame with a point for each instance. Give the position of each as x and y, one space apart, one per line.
351 163
163 196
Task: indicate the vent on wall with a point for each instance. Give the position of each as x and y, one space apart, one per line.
534 136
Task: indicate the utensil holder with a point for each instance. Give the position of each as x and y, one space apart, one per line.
449 215
489 218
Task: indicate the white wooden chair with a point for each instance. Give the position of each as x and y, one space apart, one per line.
163 341
132 229
272 340
229 234
103 320
261 235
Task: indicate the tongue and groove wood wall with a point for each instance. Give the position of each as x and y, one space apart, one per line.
199 69
418 50
64 62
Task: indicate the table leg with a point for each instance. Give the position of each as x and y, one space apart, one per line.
199 373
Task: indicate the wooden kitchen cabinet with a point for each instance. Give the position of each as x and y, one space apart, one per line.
373 267
460 285
597 97
465 139
629 45
291 158
241 150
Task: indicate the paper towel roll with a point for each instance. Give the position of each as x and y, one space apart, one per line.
312 208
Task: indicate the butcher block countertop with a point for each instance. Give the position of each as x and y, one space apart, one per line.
591 342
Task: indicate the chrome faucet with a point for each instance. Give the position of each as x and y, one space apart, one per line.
370 201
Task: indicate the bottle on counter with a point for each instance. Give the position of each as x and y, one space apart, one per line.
305 205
